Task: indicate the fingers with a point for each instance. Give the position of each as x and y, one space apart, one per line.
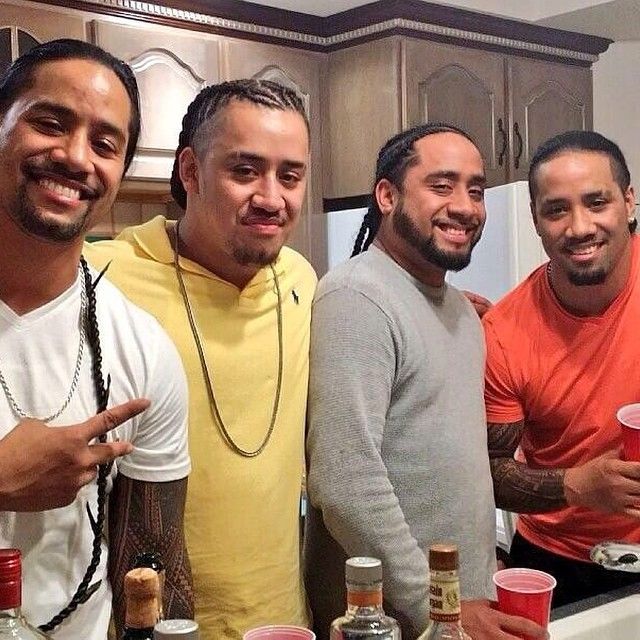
105 452
103 422
521 626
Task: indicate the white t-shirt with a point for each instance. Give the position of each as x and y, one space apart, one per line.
37 357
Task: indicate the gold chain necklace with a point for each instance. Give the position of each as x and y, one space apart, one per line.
205 368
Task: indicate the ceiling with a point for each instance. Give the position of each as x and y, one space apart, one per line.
615 19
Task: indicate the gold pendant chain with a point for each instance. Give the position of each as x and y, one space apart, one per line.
205 368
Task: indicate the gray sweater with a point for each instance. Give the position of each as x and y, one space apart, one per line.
397 444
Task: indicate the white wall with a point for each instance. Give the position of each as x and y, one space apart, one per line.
616 101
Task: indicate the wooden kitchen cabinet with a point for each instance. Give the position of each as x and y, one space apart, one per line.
464 87
363 109
171 68
546 99
508 104
22 28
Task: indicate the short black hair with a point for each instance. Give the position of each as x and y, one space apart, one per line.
18 78
580 141
394 159
211 100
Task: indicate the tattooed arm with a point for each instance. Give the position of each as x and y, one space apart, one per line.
516 486
148 516
605 483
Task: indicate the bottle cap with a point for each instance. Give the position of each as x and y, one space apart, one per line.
10 578
172 629
443 557
362 570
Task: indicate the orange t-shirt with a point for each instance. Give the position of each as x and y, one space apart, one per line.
565 376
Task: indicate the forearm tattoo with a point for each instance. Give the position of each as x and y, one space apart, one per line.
148 516
516 486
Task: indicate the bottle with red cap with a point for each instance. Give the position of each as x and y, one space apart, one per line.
13 626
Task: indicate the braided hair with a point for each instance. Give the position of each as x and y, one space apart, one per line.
84 590
210 101
395 157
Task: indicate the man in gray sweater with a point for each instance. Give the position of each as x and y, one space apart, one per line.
397 443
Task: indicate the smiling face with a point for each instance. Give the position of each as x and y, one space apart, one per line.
62 149
438 215
245 190
581 215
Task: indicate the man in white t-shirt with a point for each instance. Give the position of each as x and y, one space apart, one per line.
70 346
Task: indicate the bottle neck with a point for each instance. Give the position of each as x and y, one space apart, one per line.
444 596
364 600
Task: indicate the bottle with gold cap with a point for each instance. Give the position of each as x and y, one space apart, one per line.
444 595
365 619
142 592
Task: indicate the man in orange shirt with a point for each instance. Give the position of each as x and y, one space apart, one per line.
562 357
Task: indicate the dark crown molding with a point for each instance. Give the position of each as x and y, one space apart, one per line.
249 20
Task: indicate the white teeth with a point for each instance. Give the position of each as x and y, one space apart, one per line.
67 192
454 231
582 251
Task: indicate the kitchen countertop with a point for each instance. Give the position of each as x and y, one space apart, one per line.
595 601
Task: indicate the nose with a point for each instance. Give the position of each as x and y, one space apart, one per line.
74 152
268 195
581 224
462 204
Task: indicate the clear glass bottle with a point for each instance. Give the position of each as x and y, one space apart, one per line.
13 626
365 617
142 592
444 595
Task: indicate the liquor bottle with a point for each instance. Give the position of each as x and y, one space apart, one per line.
152 560
365 619
141 590
13 626
176 630
444 595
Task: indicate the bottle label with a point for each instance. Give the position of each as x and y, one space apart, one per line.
444 596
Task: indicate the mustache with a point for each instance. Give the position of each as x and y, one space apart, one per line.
54 170
260 216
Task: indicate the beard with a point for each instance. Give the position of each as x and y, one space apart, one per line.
404 226
246 256
587 277
36 224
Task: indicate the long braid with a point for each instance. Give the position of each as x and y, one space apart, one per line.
395 157
211 100
84 591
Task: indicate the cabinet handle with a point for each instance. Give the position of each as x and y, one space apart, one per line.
520 145
503 151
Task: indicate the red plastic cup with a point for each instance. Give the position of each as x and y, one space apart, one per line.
525 593
279 632
629 419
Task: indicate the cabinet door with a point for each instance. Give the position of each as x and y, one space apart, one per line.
363 111
546 99
463 87
170 68
301 71
21 28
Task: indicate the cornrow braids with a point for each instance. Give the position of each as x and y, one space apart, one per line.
210 101
84 590
395 157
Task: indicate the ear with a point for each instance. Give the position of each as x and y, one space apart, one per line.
532 206
630 203
386 196
189 173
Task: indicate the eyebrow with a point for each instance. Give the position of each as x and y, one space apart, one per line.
478 179
254 157
69 114
599 193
